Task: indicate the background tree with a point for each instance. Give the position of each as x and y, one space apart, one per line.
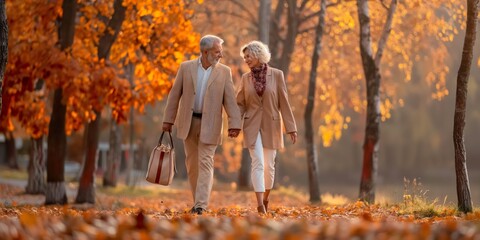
264 20
3 45
371 69
86 189
55 191
311 149
463 185
10 142
36 61
144 42
36 183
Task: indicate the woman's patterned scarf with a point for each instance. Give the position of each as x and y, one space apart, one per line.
259 77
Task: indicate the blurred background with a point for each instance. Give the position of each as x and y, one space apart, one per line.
419 71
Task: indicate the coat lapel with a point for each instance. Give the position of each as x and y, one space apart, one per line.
269 78
194 72
213 75
252 88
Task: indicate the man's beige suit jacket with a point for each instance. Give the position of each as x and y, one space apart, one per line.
219 95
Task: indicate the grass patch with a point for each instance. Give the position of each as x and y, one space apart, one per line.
416 202
13 174
336 199
291 192
128 191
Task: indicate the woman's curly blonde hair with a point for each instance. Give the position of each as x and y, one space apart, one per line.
258 50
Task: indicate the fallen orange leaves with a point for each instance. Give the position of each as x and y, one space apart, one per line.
166 217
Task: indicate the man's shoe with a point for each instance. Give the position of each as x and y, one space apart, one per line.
200 211
193 210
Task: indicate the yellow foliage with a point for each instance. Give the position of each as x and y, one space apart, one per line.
385 108
331 130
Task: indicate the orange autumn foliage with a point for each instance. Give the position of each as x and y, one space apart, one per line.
33 59
155 37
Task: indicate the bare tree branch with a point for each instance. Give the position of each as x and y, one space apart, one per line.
302 5
334 4
244 8
305 30
252 21
383 4
314 14
308 17
386 32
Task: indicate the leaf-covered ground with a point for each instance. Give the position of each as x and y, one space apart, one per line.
162 213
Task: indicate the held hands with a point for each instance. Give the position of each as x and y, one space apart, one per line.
233 133
167 127
293 136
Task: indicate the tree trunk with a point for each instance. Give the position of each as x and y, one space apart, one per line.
56 152
3 45
244 173
57 139
36 168
313 172
274 38
115 23
283 47
131 176
11 150
372 77
291 36
86 188
264 20
245 163
112 170
463 185
131 179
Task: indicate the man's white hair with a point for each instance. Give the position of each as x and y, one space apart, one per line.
258 50
207 42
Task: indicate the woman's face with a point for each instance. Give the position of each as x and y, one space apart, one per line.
250 59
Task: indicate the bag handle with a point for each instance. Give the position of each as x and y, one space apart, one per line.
171 141
161 137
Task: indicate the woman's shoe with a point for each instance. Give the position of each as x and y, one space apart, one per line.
265 203
261 209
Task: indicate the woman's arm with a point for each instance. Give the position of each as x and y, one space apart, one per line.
284 104
241 97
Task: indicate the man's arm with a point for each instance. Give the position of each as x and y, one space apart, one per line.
173 100
231 107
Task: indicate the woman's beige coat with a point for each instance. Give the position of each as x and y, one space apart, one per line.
263 113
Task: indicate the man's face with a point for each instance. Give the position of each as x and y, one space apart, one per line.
215 53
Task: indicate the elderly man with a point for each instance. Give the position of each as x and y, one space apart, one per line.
201 88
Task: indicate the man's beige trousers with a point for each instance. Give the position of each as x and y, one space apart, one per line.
199 162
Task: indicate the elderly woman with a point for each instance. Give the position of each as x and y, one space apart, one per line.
262 97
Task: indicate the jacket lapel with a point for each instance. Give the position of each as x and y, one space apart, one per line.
213 75
252 88
269 78
194 72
